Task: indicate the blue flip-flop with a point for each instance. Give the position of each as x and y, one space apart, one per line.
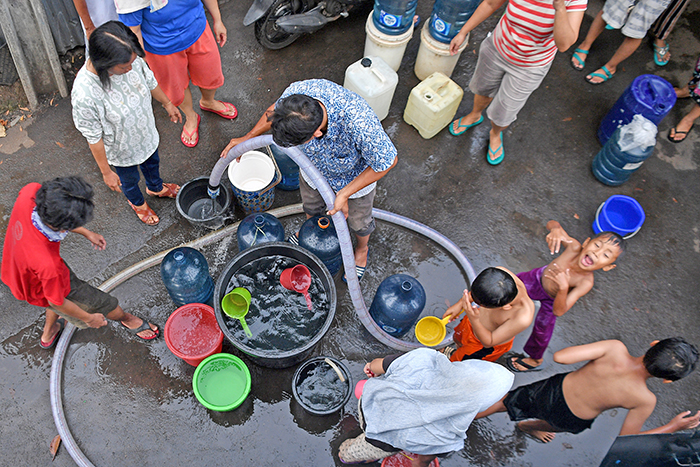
491 152
581 62
607 76
466 127
661 55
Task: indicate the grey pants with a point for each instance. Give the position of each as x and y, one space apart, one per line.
509 85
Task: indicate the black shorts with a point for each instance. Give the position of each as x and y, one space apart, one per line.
544 400
88 298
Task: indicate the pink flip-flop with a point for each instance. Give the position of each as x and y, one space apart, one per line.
49 345
221 113
195 133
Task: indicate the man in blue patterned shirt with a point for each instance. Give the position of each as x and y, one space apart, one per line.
343 138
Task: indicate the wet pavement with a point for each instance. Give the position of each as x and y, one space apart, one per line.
131 404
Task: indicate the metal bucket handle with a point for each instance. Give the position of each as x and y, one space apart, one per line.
597 213
278 174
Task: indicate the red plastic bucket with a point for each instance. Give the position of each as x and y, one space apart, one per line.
403 459
192 333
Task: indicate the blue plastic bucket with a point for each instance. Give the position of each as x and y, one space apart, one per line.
648 95
620 214
253 179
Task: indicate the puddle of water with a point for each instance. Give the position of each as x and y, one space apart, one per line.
131 403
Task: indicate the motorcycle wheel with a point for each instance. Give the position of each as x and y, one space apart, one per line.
266 31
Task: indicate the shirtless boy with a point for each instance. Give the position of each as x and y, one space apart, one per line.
498 308
558 285
613 378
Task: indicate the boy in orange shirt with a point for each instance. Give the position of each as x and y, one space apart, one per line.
498 308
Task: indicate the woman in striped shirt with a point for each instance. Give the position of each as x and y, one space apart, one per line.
514 60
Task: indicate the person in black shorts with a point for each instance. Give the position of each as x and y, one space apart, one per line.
569 402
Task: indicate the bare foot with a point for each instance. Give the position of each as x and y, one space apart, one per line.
680 131
530 361
682 93
219 106
132 322
544 436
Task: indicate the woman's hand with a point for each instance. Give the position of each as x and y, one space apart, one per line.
173 112
112 181
220 33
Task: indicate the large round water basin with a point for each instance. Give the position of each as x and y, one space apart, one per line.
285 329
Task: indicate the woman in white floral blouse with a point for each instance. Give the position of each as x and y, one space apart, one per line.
111 100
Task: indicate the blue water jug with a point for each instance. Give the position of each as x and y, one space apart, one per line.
393 17
318 236
185 273
613 166
259 228
648 95
399 301
288 168
449 16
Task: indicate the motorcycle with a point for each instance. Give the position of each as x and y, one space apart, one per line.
278 23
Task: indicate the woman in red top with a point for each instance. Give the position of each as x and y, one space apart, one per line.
514 60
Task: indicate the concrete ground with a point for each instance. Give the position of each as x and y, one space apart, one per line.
130 403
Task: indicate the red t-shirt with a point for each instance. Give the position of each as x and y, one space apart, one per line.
31 265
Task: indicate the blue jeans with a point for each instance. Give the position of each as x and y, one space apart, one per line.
129 176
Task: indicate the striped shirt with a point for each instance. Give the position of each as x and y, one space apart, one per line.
525 33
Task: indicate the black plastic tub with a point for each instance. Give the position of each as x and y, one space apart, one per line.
318 387
275 358
196 190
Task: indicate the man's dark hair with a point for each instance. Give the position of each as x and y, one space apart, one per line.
295 120
493 288
613 238
65 203
110 45
671 359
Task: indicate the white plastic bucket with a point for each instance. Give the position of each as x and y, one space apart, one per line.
253 172
389 48
435 56
253 181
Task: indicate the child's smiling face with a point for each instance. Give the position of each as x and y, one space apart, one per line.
598 253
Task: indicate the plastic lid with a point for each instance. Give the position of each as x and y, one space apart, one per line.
179 256
323 222
366 62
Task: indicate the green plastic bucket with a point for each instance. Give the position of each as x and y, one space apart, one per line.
221 382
